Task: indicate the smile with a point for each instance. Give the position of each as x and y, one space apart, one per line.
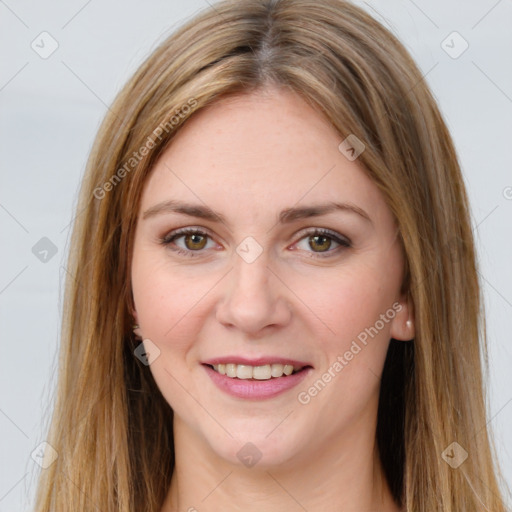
263 372
256 382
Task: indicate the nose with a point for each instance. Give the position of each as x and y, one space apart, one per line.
254 298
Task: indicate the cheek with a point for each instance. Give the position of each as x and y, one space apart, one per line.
359 312
350 299
358 307
168 301
170 313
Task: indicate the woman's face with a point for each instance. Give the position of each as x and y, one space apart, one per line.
271 273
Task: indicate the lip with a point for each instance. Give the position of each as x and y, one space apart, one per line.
259 361
256 389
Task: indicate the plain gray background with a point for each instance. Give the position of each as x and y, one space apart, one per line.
51 109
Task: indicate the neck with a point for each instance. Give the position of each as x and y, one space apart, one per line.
347 476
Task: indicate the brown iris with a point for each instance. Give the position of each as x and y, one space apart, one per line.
324 242
196 240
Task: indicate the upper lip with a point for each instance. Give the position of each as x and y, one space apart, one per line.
259 361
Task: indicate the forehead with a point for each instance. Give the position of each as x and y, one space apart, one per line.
258 152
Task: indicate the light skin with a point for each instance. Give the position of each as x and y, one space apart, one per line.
249 158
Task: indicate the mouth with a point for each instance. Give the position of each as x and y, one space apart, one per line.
256 382
260 372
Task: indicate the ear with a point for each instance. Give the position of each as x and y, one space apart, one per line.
131 308
402 326
132 312
135 322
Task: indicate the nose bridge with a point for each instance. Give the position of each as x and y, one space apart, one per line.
252 277
251 273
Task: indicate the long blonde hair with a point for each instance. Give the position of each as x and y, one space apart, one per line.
111 427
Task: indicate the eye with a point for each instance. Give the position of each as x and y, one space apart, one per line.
194 240
321 241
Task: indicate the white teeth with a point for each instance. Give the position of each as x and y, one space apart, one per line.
264 372
230 370
243 371
277 370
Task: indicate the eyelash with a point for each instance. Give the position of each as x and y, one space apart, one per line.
171 237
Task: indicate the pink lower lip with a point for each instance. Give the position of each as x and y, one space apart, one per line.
256 389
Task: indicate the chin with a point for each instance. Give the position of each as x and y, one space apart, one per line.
265 448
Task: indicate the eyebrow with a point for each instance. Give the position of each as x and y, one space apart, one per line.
286 216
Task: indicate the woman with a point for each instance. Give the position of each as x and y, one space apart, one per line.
275 303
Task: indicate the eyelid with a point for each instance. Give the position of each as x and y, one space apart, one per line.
175 233
324 231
